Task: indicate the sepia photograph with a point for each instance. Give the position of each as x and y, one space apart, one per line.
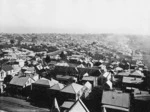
74 55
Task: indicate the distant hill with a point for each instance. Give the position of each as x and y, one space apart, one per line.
121 43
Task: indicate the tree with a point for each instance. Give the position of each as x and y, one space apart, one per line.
47 59
7 79
63 55
12 41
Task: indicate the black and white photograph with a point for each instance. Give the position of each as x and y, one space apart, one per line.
74 55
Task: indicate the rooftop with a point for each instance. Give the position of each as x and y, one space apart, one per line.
44 82
67 104
19 80
72 88
58 86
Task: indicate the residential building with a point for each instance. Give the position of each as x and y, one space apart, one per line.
20 85
72 91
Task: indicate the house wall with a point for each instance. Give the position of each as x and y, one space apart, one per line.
19 91
2 75
9 72
21 63
14 90
79 94
39 92
28 83
1 87
36 77
67 96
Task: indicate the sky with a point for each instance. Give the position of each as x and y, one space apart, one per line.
75 16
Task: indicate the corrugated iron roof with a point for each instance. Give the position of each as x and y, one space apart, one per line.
58 86
67 104
7 67
72 88
78 106
19 80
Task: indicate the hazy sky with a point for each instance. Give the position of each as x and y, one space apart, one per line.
75 16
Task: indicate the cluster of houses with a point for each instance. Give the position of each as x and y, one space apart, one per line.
63 81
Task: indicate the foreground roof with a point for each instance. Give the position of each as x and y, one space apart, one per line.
7 67
44 82
19 80
137 73
67 104
58 86
78 106
72 88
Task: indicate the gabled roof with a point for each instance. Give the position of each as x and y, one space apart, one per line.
19 80
58 86
86 74
72 88
88 78
39 67
44 82
62 64
67 104
88 85
118 69
81 66
124 74
30 69
7 68
63 77
53 63
137 73
78 106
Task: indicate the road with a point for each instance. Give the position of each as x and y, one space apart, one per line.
10 104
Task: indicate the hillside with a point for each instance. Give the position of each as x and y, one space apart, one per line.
93 42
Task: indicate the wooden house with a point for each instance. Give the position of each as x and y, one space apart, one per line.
72 92
77 106
8 69
39 89
20 85
91 79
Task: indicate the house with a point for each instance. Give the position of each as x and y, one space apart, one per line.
20 62
16 69
62 64
66 79
72 91
39 89
34 76
123 73
87 89
53 63
8 69
39 67
81 66
91 79
137 73
57 87
118 69
55 106
66 106
77 106
2 77
71 70
30 69
54 92
20 85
